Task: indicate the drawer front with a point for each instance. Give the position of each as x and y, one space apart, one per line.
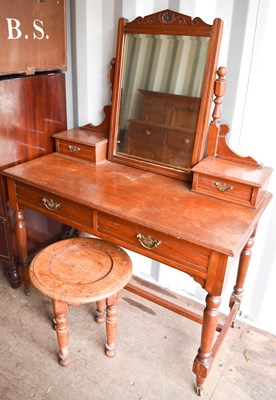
147 133
77 150
139 149
176 157
175 252
179 148
55 206
223 188
145 141
184 140
157 113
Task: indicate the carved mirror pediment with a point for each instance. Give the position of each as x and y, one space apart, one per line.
163 85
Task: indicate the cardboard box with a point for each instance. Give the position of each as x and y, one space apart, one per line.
32 36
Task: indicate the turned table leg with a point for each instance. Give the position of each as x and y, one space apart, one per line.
61 324
203 361
21 236
100 311
111 325
245 257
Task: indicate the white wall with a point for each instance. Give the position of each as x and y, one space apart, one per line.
257 135
249 35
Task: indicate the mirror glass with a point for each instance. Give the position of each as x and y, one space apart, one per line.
162 82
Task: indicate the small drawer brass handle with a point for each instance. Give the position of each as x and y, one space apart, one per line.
73 149
223 187
147 241
50 204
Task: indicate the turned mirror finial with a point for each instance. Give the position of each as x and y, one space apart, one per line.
219 91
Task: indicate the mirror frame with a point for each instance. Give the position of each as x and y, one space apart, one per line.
166 22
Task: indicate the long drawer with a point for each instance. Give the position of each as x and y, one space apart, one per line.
170 250
55 206
165 248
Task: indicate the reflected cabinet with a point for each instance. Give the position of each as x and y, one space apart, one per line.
165 133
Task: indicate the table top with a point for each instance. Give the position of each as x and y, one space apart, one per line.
158 202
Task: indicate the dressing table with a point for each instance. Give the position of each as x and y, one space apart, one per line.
196 212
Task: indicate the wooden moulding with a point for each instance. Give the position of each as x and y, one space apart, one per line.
218 146
104 126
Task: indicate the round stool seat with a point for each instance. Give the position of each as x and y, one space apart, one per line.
77 271
80 270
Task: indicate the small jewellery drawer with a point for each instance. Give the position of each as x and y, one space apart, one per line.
165 248
59 208
76 150
231 181
83 144
223 188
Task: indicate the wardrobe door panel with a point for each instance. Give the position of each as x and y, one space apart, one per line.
32 109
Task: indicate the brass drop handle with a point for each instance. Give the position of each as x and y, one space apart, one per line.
222 187
73 149
147 132
147 241
50 204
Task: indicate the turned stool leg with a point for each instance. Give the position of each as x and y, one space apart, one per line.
111 325
60 310
100 311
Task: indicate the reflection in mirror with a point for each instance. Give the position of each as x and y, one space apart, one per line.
161 93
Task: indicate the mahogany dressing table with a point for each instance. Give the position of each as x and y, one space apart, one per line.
196 216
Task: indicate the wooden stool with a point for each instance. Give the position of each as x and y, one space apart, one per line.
77 271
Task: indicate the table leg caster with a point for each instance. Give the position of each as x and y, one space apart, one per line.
233 324
199 391
110 351
54 324
63 359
